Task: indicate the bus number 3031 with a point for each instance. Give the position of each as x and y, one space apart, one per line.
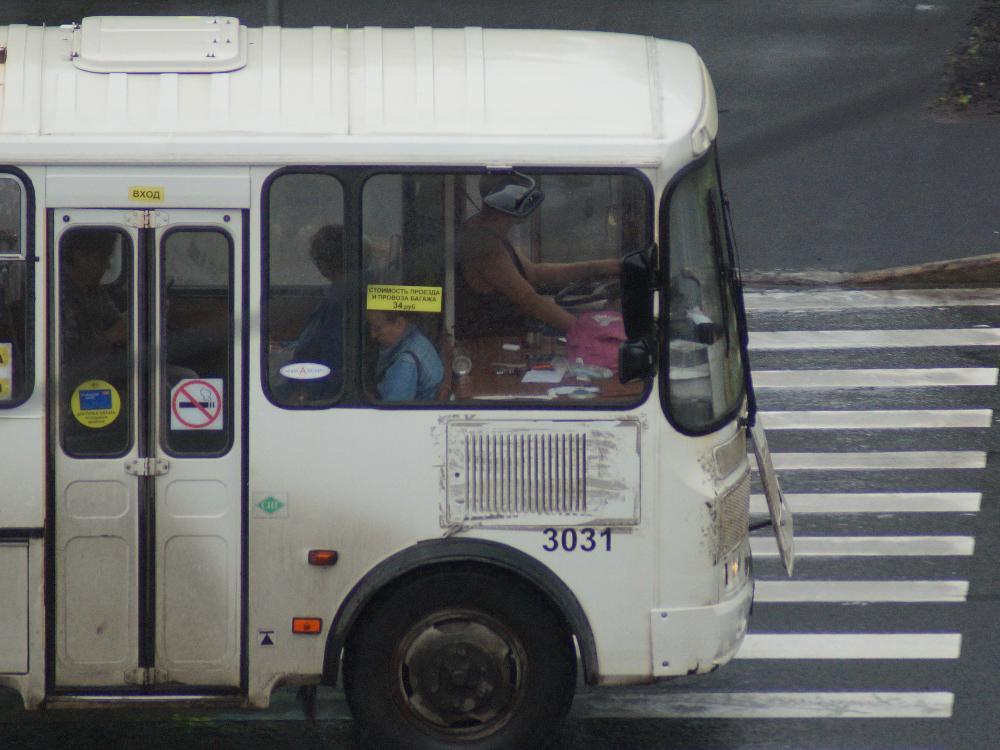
569 540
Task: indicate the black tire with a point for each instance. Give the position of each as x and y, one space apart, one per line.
460 658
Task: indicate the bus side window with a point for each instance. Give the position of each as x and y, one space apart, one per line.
304 323
472 293
404 227
16 296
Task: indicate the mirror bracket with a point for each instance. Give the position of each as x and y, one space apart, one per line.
636 360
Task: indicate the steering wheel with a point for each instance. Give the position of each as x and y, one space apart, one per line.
592 293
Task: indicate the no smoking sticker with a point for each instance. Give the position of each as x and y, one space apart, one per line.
196 404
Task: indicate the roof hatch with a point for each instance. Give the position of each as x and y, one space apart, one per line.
159 44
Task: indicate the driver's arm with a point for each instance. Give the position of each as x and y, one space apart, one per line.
496 271
561 274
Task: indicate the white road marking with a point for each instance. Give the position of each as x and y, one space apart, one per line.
876 419
868 339
860 591
870 299
887 460
869 546
876 502
648 704
851 646
931 377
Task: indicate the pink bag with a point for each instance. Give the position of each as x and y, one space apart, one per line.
595 338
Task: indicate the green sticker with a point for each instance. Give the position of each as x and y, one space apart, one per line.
270 505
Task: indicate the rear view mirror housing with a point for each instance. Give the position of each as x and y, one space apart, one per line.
638 281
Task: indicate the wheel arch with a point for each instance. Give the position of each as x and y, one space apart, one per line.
438 552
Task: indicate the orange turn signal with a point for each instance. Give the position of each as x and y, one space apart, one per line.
307 625
322 557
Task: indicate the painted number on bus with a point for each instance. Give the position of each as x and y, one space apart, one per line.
571 540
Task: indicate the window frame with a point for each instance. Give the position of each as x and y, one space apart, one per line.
349 388
725 274
513 404
352 180
26 254
130 257
230 394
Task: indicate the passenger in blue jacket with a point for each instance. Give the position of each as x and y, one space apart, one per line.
408 367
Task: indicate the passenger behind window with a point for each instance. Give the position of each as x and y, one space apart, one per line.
496 289
408 367
322 339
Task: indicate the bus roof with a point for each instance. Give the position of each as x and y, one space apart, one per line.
328 84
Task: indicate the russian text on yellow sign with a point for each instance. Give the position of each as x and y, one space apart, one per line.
404 298
6 371
146 194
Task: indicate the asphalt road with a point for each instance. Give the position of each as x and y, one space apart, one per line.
832 155
883 416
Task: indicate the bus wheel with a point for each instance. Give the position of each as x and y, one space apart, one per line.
460 660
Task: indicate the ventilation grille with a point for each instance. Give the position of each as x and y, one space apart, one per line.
734 517
521 473
510 474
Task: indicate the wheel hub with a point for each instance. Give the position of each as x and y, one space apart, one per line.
460 671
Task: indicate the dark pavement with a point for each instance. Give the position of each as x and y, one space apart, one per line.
833 154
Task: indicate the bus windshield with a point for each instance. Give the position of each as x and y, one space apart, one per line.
704 382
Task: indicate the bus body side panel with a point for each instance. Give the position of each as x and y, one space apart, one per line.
22 502
369 483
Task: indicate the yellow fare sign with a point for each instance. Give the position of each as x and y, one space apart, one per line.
398 298
146 194
6 371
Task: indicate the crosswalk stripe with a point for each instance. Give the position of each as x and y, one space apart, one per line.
869 546
763 705
871 339
878 419
869 299
860 591
851 646
887 460
930 377
876 502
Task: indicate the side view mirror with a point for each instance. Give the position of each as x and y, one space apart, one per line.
635 360
638 280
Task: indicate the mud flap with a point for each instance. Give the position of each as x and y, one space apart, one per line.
781 514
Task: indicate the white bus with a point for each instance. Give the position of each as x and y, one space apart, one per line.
406 359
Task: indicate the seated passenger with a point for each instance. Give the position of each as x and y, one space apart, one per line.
322 339
408 367
496 289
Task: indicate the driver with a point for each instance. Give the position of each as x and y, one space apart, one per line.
495 286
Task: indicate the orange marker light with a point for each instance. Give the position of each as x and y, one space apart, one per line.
307 625
322 557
